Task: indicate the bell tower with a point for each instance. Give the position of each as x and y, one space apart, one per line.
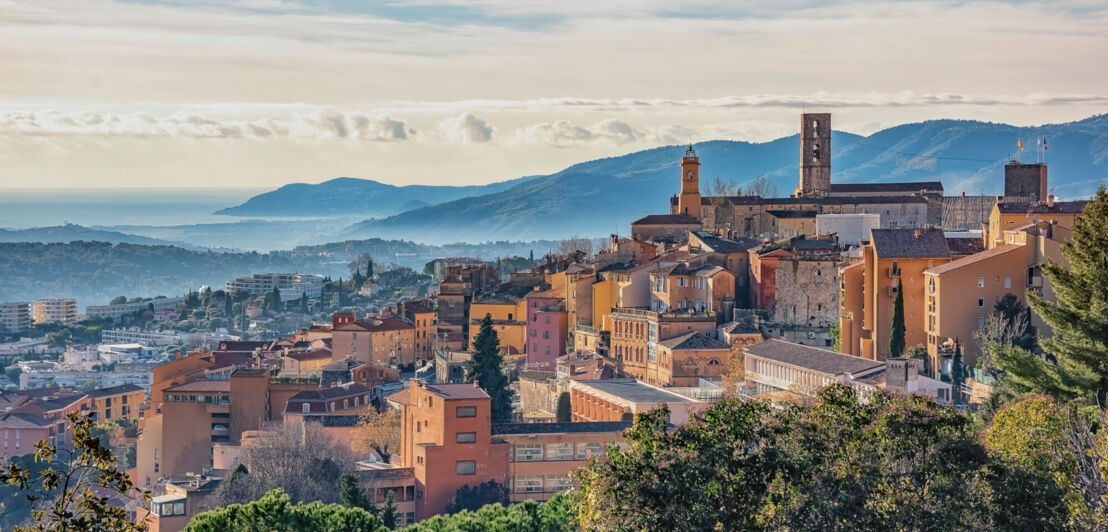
689 200
815 154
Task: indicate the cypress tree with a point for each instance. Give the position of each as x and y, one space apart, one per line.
351 495
957 373
1079 316
388 512
565 412
485 368
369 269
896 337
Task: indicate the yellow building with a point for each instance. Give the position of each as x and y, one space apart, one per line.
1009 215
508 317
118 402
893 261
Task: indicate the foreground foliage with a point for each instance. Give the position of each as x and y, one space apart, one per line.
894 463
274 512
527 516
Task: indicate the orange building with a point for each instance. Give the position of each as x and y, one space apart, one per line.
685 359
306 361
636 333
118 402
448 441
425 316
688 203
682 287
893 261
389 341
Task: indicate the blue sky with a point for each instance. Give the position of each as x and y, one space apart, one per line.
263 92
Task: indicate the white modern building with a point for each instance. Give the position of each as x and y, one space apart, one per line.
15 317
290 285
139 336
114 312
55 311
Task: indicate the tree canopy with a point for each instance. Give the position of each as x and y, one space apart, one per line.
275 512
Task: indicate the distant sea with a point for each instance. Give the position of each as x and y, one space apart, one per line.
24 208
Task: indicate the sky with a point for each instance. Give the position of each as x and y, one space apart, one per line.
259 93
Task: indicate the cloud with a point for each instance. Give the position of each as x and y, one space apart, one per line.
562 133
321 124
466 128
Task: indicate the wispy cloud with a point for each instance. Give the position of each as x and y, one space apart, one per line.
467 129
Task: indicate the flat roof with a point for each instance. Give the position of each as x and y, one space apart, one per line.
634 391
560 428
813 358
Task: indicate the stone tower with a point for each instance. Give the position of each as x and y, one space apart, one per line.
1025 180
815 154
689 200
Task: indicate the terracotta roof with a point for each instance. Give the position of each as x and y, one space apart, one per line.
116 390
1060 207
974 259
402 396
813 358
965 246
203 386
553 293
666 219
324 394
22 420
457 391
224 359
310 355
904 243
694 341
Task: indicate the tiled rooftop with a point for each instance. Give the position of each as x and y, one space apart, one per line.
694 340
909 243
813 358
975 258
203 386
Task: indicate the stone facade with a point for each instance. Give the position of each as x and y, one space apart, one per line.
806 291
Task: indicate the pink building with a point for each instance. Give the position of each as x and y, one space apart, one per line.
547 329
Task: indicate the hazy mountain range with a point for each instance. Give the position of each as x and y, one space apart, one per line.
599 197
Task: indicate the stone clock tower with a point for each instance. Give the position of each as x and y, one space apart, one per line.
689 200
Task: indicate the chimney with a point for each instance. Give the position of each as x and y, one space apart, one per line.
1000 200
918 233
476 384
1050 201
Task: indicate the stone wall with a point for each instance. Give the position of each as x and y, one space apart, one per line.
807 292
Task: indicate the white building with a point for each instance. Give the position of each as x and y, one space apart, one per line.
290 285
114 312
80 357
15 317
852 229
139 336
55 311
122 353
778 366
38 377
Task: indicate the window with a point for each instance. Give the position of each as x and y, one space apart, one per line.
124 399
713 362
466 437
981 321
1008 282
419 426
980 302
465 467
108 402
528 483
589 450
509 316
558 482
546 335
305 407
466 411
548 319
528 452
681 282
559 451
409 518
981 282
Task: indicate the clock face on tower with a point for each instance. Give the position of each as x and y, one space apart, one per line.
690 175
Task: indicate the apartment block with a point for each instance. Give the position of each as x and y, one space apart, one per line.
117 402
115 312
291 286
381 341
637 332
15 317
547 328
55 311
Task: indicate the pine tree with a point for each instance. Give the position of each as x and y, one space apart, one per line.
957 373
369 269
896 337
485 369
1079 316
388 512
351 495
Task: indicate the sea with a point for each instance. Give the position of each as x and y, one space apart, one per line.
27 207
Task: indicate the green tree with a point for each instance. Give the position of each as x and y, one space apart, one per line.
957 372
474 497
1076 365
303 302
66 486
13 372
896 336
484 368
554 515
389 515
353 496
192 300
836 333
275 512
565 413
118 300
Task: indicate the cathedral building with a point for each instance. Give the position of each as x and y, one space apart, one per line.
900 205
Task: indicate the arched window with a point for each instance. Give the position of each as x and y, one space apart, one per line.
815 153
815 129
713 362
691 362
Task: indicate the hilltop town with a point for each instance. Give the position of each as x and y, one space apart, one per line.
888 289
